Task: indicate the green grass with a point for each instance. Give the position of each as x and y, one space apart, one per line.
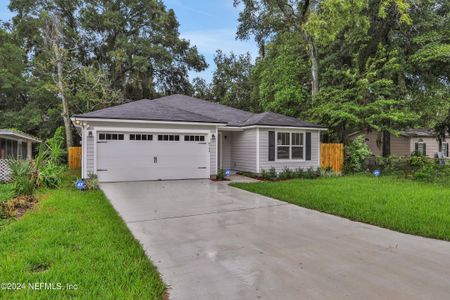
406 206
6 191
77 238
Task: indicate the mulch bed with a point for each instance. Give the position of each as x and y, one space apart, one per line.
16 207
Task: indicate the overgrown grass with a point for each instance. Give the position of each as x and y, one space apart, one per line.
6 191
403 205
77 238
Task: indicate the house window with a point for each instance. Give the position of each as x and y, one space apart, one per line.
283 145
297 148
421 147
290 145
141 137
110 137
168 137
194 138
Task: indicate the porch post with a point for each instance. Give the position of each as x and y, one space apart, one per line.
29 150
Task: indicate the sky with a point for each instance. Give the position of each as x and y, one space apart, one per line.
208 24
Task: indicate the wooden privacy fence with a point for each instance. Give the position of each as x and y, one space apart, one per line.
74 157
332 155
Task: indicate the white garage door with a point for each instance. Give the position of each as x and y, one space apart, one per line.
151 156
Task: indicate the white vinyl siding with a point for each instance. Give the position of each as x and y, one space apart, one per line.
148 128
90 157
226 149
243 150
279 165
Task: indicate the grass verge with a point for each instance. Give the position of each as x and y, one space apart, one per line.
402 205
75 238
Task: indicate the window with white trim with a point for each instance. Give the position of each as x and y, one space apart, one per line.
290 145
283 145
298 146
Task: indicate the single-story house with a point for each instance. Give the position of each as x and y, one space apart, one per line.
407 142
181 137
14 145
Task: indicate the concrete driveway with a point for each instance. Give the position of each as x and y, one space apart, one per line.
212 241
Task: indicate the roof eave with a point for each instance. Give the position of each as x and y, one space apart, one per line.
137 120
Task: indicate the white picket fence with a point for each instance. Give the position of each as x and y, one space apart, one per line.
5 171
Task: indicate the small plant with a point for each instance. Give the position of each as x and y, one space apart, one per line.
286 174
51 175
312 173
299 173
221 174
272 173
24 177
57 152
328 172
92 182
356 154
16 207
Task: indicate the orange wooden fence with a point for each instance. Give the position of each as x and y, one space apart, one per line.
74 157
332 155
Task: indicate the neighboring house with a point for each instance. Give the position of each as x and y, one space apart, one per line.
409 141
14 145
180 137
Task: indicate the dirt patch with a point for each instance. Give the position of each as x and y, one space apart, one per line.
16 207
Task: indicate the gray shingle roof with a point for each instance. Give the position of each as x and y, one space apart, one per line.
189 109
150 110
13 133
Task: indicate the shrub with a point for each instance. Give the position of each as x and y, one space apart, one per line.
356 154
327 172
299 173
270 174
221 174
57 152
51 175
24 177
273 173
312 173
286 174
92 182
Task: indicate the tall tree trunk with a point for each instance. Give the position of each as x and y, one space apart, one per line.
314 58
386 143
58 50
61 95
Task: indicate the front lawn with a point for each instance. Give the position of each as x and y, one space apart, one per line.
406 206
75 238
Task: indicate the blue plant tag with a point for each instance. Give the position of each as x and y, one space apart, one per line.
376 173
228 172
80 185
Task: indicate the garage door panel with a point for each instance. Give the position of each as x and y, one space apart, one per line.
131 160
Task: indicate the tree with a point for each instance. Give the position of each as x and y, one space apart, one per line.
82 55
265 18
139 44
201 89
281 78
231 83
54 41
